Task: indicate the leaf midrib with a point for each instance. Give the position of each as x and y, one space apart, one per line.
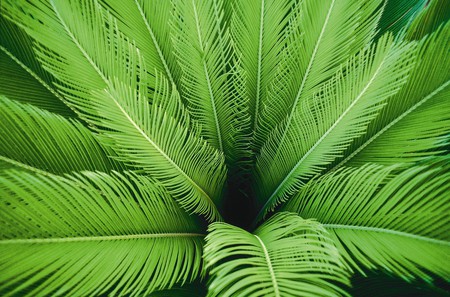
155 43
308 70
258 74
32 73
86 55
25 166
269 266
392 123
208 80
97 238
320 140
387 231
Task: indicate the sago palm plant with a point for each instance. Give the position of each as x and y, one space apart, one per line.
227 148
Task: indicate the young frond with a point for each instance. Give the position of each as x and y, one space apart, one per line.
259 39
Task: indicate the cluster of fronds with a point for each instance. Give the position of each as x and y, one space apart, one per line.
131 130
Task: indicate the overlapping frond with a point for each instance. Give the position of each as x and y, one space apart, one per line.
435 14
201 96
416 119
398 223
320 37
94 57
329 121
37 140
257 28
286 256
160 144
73 51
204 52
147 24
93 233
397 14
22 77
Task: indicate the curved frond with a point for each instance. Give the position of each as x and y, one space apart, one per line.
105 79
416 119
146 135
147 24
321 35
73 51
93 233
203 48
39 141
286 256
328 122
22 77
428 20
399 223
257 29
397 14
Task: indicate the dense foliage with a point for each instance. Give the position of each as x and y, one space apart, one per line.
227 148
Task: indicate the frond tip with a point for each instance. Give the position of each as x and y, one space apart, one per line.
286 256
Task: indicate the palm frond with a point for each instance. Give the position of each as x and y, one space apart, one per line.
416 119
435 14
397 14
321 36
286 256
73 51
22 77
146 135
257 28
329 121
147 24
93 233
399 223
203 48
37 140
153 136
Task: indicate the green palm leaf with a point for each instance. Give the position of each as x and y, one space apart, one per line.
321 36
93 233
259 39
416 119
37 140
146 135
153 136
397 14
79 66
435 14
398 223
203 47
286 256
150 32
329 121
223 108
22 77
